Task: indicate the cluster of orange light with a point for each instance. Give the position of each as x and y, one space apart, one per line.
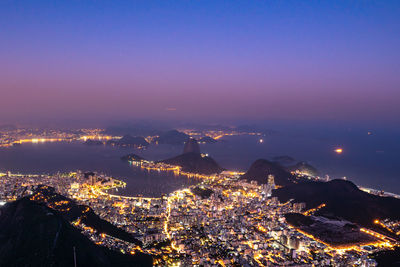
383 225
177 170
375 234
39 140
312 211
262 229
97 137
43 140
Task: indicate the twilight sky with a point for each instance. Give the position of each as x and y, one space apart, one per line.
200 59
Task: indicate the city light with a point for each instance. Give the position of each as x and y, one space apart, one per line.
237 214
339 150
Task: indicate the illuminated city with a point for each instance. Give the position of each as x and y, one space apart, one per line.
199 133
222 220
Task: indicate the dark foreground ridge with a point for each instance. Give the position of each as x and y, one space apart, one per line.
261 168
343 199
71 211
32 234
388 257
195 163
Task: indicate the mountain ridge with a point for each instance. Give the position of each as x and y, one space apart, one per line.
32 234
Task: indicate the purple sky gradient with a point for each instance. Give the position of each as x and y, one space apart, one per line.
209 59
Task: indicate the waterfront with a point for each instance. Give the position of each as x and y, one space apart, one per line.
368 160
178 222
236 224
49 158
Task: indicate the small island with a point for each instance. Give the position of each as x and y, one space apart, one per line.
132 157
191 161
195 163
91 142
129 141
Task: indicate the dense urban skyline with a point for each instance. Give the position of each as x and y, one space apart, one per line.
262 60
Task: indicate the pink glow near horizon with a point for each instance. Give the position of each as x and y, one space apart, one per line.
258 62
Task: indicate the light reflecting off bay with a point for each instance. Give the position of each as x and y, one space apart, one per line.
366 160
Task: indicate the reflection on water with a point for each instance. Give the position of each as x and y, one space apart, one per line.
54 157
154 184
368 160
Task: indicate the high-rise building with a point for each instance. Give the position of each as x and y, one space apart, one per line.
267 188
294 242
271 180
298 207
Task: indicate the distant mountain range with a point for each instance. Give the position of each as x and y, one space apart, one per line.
171 137
32 234
136 129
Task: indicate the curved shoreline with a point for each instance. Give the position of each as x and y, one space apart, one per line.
176 170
